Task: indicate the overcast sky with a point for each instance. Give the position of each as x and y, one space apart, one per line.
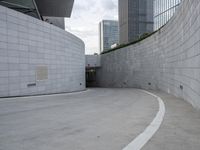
85 18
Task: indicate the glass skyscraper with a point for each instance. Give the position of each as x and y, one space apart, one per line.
135 19
108 34
163 11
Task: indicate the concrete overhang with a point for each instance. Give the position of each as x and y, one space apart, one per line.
55 8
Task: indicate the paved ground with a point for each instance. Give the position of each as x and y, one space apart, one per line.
180 129
98 119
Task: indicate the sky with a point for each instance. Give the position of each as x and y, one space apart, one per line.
85 19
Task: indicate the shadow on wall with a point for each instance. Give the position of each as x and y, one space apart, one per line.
168 60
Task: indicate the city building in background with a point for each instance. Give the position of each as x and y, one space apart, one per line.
51 11
135 19
163 11
108 34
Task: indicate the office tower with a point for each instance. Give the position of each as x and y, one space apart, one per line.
108 34
135 19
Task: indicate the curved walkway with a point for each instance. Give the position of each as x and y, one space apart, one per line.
100 119
180 129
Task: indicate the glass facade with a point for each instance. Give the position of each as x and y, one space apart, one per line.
163 11
25 6
108 34
135 19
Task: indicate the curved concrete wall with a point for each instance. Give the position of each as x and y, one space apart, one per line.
38 58
169 60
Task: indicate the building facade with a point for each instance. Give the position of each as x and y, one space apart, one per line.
163 11
108 34
52 12
37 57
169 60
135 19
28 7
57 21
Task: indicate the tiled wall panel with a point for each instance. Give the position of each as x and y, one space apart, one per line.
27 43
169 60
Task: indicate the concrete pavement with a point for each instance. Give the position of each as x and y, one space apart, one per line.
100 119
180 129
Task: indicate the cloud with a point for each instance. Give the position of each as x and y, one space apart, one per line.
108 4
85 19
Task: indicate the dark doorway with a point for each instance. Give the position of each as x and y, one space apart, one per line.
91 77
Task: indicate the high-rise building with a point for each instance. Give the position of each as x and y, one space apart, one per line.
108 34
135 19
163 11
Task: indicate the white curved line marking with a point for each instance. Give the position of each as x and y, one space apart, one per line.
148 133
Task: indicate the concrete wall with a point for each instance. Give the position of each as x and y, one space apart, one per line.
38 58
169 60
92 60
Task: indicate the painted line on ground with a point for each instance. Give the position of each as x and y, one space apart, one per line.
141 140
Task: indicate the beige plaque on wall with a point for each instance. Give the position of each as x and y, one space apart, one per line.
41 73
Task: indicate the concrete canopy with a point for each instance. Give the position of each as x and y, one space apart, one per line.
55 8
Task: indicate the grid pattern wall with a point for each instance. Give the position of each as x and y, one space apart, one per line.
93 61
163 11
26 44
169 60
